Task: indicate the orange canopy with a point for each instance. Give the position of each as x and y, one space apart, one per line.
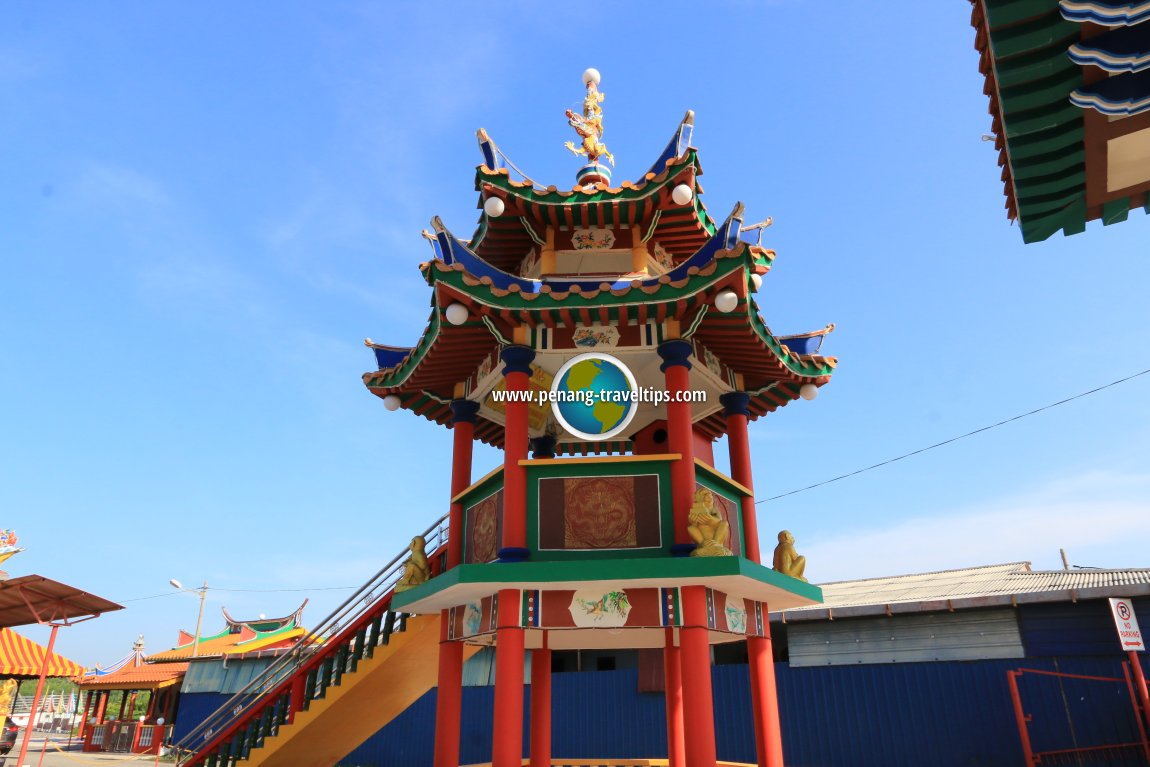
23 657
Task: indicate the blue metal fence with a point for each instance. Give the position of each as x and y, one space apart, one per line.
901 715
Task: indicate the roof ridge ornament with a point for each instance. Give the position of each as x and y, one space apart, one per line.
589 126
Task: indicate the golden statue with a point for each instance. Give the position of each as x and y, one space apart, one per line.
589 125
415 569
707 528
787 560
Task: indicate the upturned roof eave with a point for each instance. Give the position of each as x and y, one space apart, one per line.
524 194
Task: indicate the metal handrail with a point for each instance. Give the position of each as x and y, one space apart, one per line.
356 607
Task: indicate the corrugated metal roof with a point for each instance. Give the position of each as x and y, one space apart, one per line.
984 586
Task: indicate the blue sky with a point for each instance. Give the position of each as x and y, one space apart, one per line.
205 208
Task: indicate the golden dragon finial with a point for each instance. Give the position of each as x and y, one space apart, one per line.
589 125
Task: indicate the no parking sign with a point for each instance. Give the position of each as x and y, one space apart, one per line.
1127 624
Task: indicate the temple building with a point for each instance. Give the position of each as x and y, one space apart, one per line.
603 336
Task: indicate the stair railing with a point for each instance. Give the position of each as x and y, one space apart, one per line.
314 664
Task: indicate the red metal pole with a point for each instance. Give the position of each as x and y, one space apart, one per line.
36 696
1138 714
541 705
517 373
735 406
463 429
1140 686
673 689
676 369
698 702
507 734
449 698
1020 716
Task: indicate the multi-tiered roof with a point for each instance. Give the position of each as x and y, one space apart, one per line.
1069 88
641 262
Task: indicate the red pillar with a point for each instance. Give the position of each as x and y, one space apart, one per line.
541 705
695 660
764 695
735 408
673 686
463 428
768 731
676 370
507 734
449 698
87 710
102 708
36 696
517 372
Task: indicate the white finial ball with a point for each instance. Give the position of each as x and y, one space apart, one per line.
591 76
756 282
808 391
494 207
391 402
457 313
682 194
726 301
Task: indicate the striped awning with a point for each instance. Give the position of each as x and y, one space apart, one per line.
23 657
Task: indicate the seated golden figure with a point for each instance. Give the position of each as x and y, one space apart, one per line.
787 560
707 528
415 570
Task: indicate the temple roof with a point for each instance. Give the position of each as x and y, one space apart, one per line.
502 241
661 282
133 673
1070 104
238 637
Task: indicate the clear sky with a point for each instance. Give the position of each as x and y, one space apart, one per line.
205 207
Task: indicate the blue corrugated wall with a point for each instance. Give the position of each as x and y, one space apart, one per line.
901 715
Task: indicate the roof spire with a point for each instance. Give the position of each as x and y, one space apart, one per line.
589 126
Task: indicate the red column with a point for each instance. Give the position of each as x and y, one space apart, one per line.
36 696
517 372
673 686
449 698
102 708
463 428
87 711
695 660
507 734
735 408
676 370
768 731
541 705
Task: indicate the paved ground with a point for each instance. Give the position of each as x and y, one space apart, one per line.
59 754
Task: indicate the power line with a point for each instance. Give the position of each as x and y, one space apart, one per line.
956 439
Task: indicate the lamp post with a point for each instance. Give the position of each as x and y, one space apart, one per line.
203 592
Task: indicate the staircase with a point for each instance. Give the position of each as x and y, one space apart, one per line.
358 670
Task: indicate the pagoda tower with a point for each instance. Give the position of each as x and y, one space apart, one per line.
603 337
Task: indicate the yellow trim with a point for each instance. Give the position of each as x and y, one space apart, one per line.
723 477
477 483
599 459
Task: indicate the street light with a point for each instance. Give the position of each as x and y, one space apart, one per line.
203 592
